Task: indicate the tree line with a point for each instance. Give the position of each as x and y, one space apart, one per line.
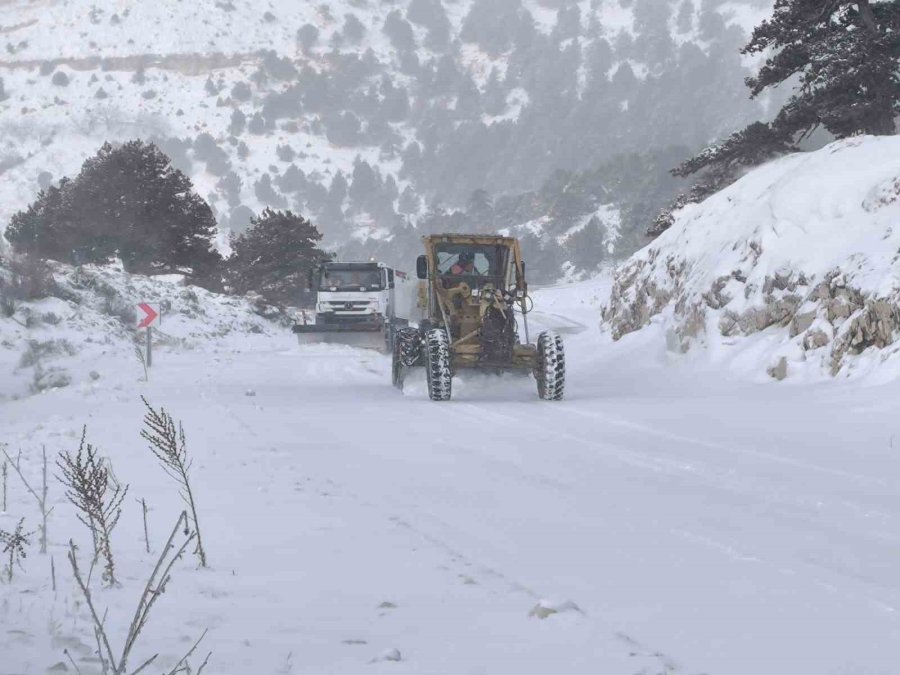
129 203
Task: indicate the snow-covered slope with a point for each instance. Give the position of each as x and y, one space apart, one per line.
793 269
322 85
84 330
658 520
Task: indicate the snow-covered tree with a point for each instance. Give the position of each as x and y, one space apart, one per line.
844 55
275 256
127 201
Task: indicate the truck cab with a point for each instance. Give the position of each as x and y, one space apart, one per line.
354 293
368 299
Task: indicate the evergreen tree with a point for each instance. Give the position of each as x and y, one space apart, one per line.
353 31
238 123
399 31
266 193
493 24
337 193
654 41
275 256
307 36
845 55
586 246
685 21
409 202
127 201
364 184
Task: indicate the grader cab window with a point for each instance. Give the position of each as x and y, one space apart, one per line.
474 264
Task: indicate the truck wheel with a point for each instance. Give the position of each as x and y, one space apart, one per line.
397 366
437 367
550 369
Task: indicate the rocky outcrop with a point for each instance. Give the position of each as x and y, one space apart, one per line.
798 260
827 314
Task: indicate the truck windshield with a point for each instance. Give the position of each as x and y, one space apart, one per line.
350 280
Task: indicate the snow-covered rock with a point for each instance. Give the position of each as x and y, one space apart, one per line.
802 252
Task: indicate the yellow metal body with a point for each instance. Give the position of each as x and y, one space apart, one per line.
461 302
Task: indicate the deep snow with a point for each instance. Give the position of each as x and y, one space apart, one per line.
681 521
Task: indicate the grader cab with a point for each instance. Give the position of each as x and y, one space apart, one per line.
476 317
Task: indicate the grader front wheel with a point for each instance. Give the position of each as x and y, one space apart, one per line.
437 365
550 369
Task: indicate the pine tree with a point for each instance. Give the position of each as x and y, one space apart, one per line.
127 201
586 246
685 21
275 256
238 123
410 203
844 54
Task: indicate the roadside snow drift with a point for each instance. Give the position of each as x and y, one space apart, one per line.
793 269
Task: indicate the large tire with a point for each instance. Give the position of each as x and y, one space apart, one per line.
438 370
396 366
550 370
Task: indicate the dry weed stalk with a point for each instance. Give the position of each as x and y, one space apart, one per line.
41 498
98 496
168 445
154 588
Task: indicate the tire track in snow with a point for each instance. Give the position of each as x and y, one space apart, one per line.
678 470
719 447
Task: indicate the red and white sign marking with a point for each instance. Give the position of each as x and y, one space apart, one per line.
148 314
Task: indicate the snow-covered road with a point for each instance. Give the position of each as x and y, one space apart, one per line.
681 523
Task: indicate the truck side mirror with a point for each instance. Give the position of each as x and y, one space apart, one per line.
422 267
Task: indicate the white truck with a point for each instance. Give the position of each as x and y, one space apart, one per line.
360 304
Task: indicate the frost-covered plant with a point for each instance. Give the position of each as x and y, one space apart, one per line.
40 498
94 490
168 445
14 544
154 588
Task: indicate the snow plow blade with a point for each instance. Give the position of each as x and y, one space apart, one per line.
361 336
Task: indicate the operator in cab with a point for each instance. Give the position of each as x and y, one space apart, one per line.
465 265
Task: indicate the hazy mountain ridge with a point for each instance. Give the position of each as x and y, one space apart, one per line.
371 116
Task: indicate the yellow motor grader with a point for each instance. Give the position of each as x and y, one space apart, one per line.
474 293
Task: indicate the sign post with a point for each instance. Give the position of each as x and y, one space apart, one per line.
151 316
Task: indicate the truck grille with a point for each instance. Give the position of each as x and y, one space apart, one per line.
348 306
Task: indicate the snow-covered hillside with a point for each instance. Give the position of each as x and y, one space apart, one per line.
279 103
84 331
658 520
792 270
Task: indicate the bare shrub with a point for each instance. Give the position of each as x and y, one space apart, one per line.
170 448
38 351
155 587
27 278
40 498
14 544
98 496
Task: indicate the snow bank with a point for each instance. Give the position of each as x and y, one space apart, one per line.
792 270
86 328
